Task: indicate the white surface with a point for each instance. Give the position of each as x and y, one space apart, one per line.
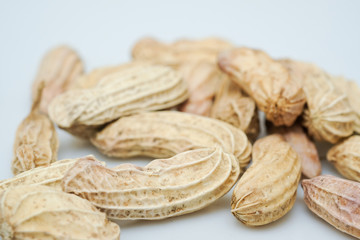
103 32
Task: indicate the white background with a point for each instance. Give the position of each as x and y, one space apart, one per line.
103 32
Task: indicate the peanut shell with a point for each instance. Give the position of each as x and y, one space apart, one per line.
267 190
164 188
42 213
267 82
166 133
137 89
335 200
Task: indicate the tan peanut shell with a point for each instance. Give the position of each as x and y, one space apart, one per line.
328 115
233 107
179 52
299 141
36 141
164 188
267 82
352 90
267 190
137 89
42 213
59 69
202 79
166 133
49 176
92 78
335 200
346 157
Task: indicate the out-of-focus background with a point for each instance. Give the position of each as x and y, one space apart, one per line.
103 32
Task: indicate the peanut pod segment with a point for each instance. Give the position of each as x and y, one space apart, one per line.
267 82
267 190
335 200
346 157
42 213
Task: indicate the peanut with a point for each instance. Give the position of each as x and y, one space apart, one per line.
328 116
352 90
233 107
36 142
299 141
179 52
267 190
59 69
346 157
166 133
267 82
40 212
335 200
164 188
202 79
138 89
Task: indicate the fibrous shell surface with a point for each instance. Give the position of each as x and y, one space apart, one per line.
267 82
233 107
164 188
335 200
59 69
166 133
328 115
36 141
42 213
137 89
267 190
49 176
346 157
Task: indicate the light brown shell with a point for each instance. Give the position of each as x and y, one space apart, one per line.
137 89
36 141
328 115
42 213
49 176
335 200
352 90
58 69
346 157
299 141
267 190
92 78
166 133
179 52
267 82
235 108
164 188
202 79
